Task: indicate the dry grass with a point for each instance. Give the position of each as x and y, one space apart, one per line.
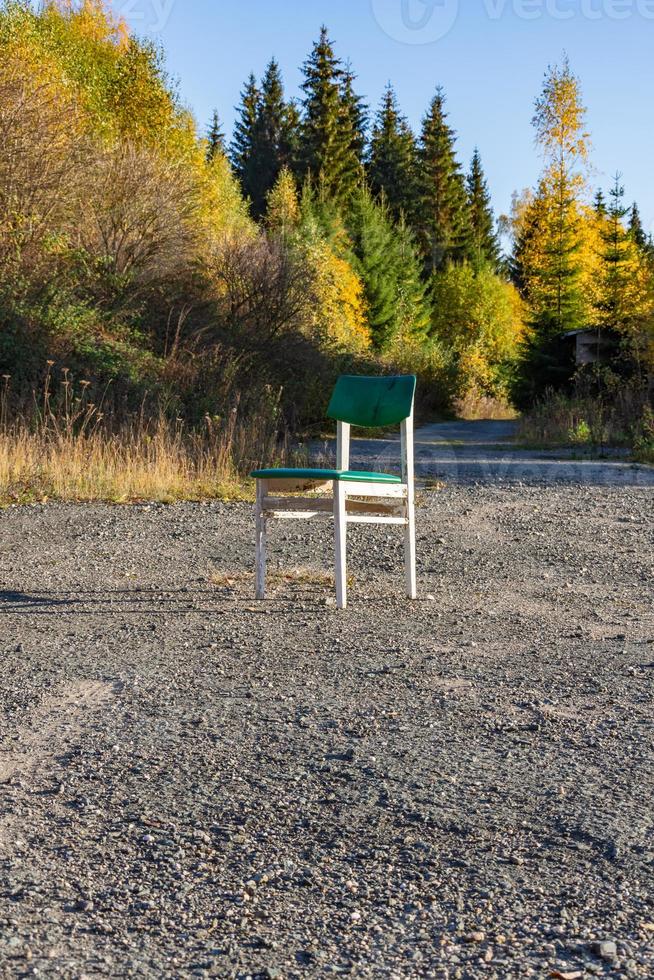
118 468
71 453
475 406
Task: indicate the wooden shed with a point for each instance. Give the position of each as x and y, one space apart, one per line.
591 345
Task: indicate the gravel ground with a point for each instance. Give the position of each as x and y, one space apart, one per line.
195 784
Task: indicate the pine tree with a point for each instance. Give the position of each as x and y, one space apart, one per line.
273 140
386 259
392 158
328 138
215 137
485 245
243 147
558 280
617 252
356 114
444 228
525 224
413 310
373 246
636 230
600 203
626 302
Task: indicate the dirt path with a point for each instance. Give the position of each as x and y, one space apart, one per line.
483 452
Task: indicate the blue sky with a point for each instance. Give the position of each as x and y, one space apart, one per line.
490 55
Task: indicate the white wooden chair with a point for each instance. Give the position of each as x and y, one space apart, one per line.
356 497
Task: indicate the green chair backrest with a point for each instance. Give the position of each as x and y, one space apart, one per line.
372 402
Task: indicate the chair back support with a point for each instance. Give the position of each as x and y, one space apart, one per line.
372 402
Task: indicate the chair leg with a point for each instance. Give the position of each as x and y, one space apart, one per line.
410 551
340 544
260 573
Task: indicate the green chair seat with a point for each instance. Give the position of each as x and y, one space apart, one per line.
346 476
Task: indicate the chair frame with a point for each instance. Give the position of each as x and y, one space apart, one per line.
381 504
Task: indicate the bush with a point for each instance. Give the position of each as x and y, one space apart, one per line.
644 437
617 418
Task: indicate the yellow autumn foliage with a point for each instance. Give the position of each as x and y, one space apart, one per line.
338 310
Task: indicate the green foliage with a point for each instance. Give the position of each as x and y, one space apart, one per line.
545 363
621 417
484 243
613 303
244 143
276 134
392 164
386 260
413 304
373 243
479 318
330 134
265 137
444 219
557 281
139 253
215 138
644 437
356 118
636 230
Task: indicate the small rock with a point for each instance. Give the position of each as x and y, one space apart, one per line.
605 949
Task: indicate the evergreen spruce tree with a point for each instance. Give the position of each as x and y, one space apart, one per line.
600 203
328 136
523 226
413 312
616 253
485 245
444 226
215 137
321 216
375 255
386 259
392 159
356 114
243 147
636 230
625 289
274 137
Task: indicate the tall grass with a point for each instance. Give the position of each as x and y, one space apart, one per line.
64 447
587 420
475 406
